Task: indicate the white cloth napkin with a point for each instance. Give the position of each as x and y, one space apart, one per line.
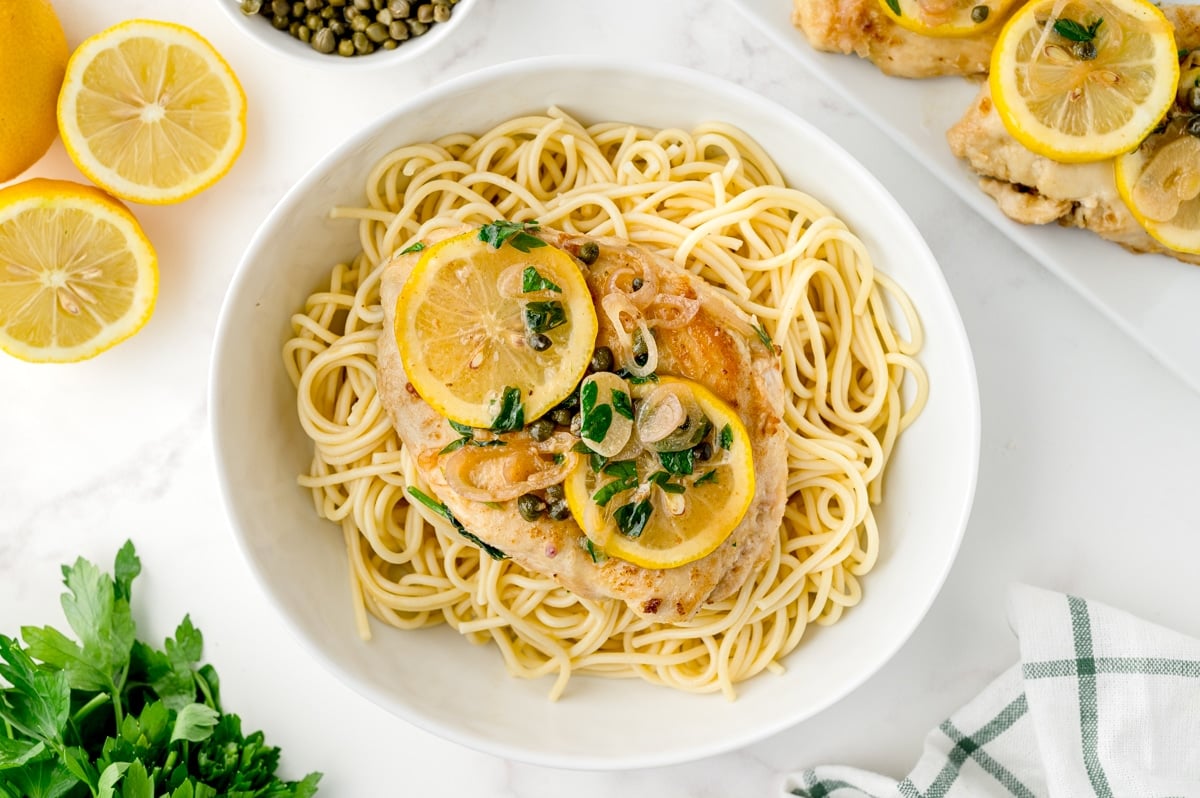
1102 704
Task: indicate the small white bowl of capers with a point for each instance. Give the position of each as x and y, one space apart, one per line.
351 32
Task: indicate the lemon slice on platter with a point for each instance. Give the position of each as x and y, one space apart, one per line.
1084 80
150 112
666 509
1160 184
77 274
494 337
947 18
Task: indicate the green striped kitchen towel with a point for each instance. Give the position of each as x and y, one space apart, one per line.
1102 704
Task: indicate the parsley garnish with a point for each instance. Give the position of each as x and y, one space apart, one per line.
895 6
662 479
624 473
710 476
515 234
1071 30
725 438
596 418
597 555
633 379
541 317
622 404
417 247
444 512
631 518
532 280
111 715
680 463
467 437
512 412
762 336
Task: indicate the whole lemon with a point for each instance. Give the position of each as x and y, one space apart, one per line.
33 60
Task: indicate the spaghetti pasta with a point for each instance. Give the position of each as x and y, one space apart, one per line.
713 202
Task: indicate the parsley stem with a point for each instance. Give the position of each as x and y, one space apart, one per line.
87 708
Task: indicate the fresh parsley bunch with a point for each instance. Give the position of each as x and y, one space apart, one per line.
109 716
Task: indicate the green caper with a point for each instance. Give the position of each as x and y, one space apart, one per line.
570 402
360 23
561 416
399 8
327 12
337 3
425 13
377 32
541 429
979 14
281 8
280 23
298 9
398 30
539 342
531 506
362 5
559 510
555 493
384 17
362 44
576 423
390 44
304 34
441 13
337 26
378 4
346 47
250 7
314 5
703 451
588 252
641 352
294 29
314 22
636 283
602 359
1192 127
1084 51
1194 98
417 28
350 13
325 41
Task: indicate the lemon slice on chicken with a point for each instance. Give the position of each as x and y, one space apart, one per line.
1160 183
494 337
947 18
1084 80
666 509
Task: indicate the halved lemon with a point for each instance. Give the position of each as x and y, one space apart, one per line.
482 350
1084 80
1160 184
151 112
77 274
647 512
947 18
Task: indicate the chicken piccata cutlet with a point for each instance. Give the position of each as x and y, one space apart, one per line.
717 348
1034 189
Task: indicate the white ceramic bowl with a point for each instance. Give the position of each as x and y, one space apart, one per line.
259 28
435 678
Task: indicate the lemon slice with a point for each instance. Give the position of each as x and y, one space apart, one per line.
1088 82
952 19
151 112
77 274
1160 184
648 512
467 329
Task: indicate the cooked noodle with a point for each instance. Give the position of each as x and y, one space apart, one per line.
714 203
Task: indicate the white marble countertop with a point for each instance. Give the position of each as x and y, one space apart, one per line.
1088 454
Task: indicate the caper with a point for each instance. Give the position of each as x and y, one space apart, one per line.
314 5
337 26
541 429
539 342
337 3
314 22
298 9
979 14
360 23
384 17
378 4
588 252
417 28
281 8
425 13
350 13
377 32
531 506
346 47
570 402
362 5
703 451
1192 128
294 28
398 30
362 44
555 493
325 41
576 423
327 12
1194 98
399 8
559 510
602 359
250 7
390 44
304 34
636 283
561 416
640 352
441 13
1084 51
279 22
